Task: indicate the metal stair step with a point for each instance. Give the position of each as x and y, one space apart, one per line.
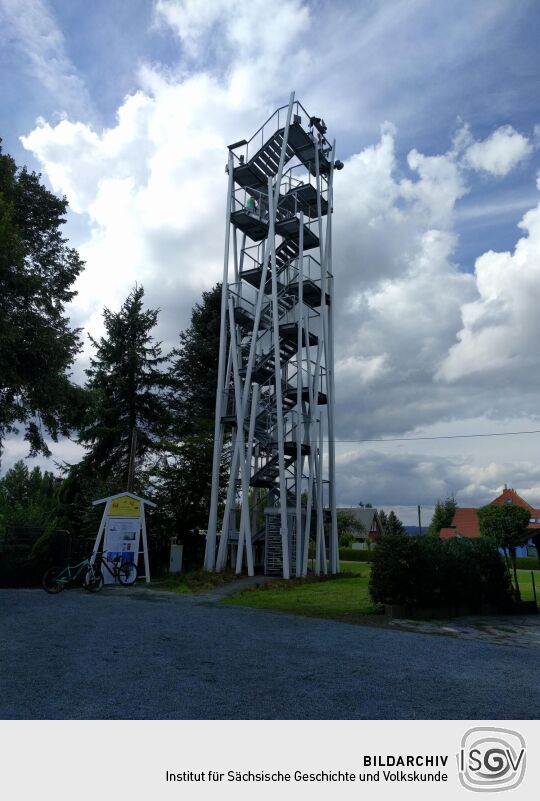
289 332
250 224
266 476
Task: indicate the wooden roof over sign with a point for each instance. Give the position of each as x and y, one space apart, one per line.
123 495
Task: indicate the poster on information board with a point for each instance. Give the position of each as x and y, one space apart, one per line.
122 537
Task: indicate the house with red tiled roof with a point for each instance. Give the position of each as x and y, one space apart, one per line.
465 521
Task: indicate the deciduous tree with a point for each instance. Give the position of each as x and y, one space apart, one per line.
349 527
37 344
507 527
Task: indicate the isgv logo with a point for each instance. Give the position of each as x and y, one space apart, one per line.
491 759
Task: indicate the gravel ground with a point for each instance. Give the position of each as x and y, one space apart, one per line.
517 631
136 654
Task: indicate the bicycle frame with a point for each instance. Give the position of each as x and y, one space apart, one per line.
104 562
68 574
113 566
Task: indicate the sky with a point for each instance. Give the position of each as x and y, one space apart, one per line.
127 108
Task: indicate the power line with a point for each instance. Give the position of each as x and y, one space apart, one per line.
443 436
410 439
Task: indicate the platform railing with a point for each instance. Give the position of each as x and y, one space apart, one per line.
297 176
245 150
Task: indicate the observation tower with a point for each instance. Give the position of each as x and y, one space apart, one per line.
274 420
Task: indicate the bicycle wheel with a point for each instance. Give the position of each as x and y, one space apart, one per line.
93 581
127 573
51 581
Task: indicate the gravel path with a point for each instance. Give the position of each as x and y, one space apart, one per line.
159 655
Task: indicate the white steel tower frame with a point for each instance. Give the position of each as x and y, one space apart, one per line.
275 392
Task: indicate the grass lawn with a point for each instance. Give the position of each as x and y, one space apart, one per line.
346 599
195 581
526 586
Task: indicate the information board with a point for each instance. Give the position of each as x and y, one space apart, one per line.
121 530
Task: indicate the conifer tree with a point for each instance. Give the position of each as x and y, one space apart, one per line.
127 392
390 523
183 480
443 515
27 497
194 370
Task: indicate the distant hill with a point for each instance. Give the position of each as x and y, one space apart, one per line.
413 530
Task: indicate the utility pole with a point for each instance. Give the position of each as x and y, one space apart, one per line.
419 520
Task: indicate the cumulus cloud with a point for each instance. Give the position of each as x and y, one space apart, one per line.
375 477
399 293
499 153
411 324
500 328
153 185
410 478
218 21
256 48
153 189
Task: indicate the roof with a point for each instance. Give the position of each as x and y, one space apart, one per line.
465 520
122 495
508 496
368 517
465 523
363 514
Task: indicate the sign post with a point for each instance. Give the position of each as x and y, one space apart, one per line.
123 530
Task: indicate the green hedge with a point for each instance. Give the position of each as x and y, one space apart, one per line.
25 567
19 571
354 555
527 563
429 572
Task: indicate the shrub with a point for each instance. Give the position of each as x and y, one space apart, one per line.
15 571
346 539
527 563
24 566
429 572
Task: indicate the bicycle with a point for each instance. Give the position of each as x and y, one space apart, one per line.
124 571
57 579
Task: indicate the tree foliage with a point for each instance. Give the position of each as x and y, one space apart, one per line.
27 497
127 391
73 510
348 526
182 482
37 346
194 367
430 572
391 524
507 527
443 515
